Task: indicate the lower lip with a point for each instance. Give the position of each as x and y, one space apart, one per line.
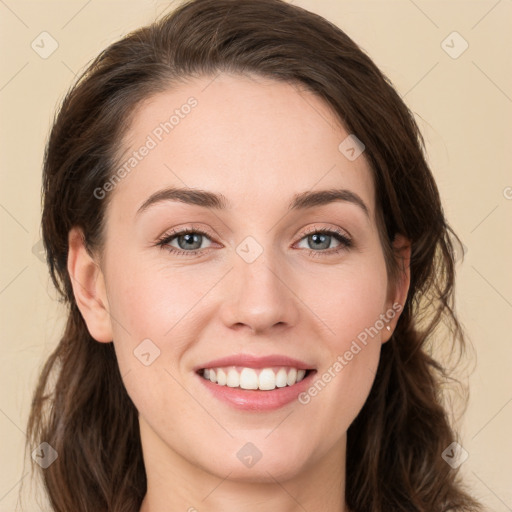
256 399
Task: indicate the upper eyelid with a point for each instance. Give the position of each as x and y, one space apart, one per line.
337 230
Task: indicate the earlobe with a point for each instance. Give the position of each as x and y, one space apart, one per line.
397 294
88 287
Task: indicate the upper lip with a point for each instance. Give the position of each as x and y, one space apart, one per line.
250 361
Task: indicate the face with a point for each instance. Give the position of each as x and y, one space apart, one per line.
255 290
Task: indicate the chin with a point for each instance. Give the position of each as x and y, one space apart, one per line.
266 471
261 460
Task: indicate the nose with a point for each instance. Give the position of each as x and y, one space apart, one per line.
260 297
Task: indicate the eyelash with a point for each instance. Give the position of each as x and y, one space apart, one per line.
346 243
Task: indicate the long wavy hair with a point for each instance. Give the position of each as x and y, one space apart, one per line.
80 406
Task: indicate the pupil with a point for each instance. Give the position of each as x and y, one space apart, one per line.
318 238
190 239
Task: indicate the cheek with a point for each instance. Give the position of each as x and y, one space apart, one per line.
153 322
153 300
351 306
349 301
157 313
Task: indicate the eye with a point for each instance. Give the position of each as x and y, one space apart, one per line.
318 240
188 240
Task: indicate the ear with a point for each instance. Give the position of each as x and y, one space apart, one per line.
88 287
397 292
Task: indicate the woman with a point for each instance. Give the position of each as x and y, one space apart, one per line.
238 211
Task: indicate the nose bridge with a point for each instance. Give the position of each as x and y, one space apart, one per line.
260 298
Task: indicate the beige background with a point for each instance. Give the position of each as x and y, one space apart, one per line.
463 106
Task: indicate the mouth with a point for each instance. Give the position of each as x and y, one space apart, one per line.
256 383
256 389
252 379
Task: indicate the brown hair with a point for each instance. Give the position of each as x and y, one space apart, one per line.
80 406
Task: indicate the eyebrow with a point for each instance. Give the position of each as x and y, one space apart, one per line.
206 199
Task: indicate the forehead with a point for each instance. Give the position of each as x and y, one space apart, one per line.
258 141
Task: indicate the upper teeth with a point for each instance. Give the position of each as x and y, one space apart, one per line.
248 378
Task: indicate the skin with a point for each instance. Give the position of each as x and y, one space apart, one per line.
257 142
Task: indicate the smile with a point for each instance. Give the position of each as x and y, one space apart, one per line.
256 383
265 379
